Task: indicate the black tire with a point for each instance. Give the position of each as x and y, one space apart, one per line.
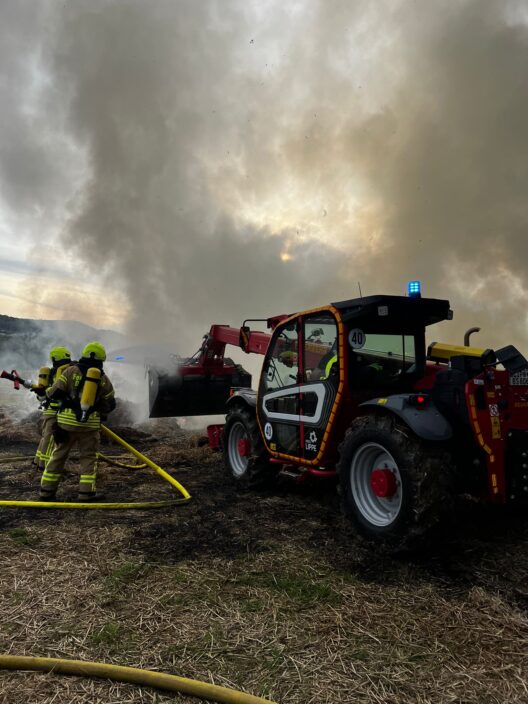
425 477
255 471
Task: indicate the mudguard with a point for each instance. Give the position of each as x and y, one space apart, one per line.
246 397
427 422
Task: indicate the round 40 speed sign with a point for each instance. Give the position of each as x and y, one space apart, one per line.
356 338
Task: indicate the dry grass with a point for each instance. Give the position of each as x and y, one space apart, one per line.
265 593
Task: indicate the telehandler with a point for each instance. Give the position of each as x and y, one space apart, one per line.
350 390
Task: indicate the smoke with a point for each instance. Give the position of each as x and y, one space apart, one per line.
25 347
39 162
154 96
243 159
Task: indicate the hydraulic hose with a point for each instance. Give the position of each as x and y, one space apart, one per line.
131 675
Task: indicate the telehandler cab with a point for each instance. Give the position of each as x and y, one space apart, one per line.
349 389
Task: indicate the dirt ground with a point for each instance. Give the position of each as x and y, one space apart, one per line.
270 593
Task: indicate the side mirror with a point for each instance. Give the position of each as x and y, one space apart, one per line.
243 340
511 359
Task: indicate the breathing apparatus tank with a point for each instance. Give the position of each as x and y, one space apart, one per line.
89 392
42 382
43 377
60 370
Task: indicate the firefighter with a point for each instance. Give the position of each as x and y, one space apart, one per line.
326 364
60 359
78 424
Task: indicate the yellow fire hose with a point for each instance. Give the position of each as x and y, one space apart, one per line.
131 675
113 460
117 673
109 505
150 463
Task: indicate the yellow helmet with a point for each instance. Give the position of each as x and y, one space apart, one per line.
94 350
58 353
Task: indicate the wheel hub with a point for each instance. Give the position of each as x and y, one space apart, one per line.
376 484
383 483
238 449
243 448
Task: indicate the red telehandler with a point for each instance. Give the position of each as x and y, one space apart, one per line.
349 389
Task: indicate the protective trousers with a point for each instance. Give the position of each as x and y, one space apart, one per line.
46 443
88 444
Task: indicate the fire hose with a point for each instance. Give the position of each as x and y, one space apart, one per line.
131 675
116 673
112 505
111 460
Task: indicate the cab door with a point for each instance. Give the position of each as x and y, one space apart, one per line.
278 398
321 363
299 384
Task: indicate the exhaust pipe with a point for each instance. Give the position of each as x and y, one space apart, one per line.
468 334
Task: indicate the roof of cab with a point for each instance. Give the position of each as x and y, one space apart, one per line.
398 309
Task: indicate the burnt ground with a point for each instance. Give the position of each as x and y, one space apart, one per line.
268 592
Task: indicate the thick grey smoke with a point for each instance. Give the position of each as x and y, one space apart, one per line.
160 98
38 160
246 159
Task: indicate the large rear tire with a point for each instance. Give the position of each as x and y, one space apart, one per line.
245 458
410 490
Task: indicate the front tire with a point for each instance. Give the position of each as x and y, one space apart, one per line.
245 458
394 487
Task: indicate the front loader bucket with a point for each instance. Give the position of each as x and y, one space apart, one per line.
187 391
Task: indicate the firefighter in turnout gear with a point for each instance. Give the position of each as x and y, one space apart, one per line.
85 394
61 359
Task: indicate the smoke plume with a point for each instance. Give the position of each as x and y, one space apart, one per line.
243 159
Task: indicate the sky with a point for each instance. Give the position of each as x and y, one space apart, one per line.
170 164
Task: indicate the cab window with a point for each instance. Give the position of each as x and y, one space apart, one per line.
382 359
282 365
396 348
320 347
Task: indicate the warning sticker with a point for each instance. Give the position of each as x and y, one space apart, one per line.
519 378
495 428
494 409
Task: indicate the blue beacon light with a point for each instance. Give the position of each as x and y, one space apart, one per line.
414 289
119 358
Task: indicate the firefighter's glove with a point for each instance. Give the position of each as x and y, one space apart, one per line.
60 435
40 391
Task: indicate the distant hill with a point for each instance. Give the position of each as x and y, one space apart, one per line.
25 343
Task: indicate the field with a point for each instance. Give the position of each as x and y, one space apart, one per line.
270 593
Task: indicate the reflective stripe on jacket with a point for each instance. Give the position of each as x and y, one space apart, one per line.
53 406
69 385
329 366
67 417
